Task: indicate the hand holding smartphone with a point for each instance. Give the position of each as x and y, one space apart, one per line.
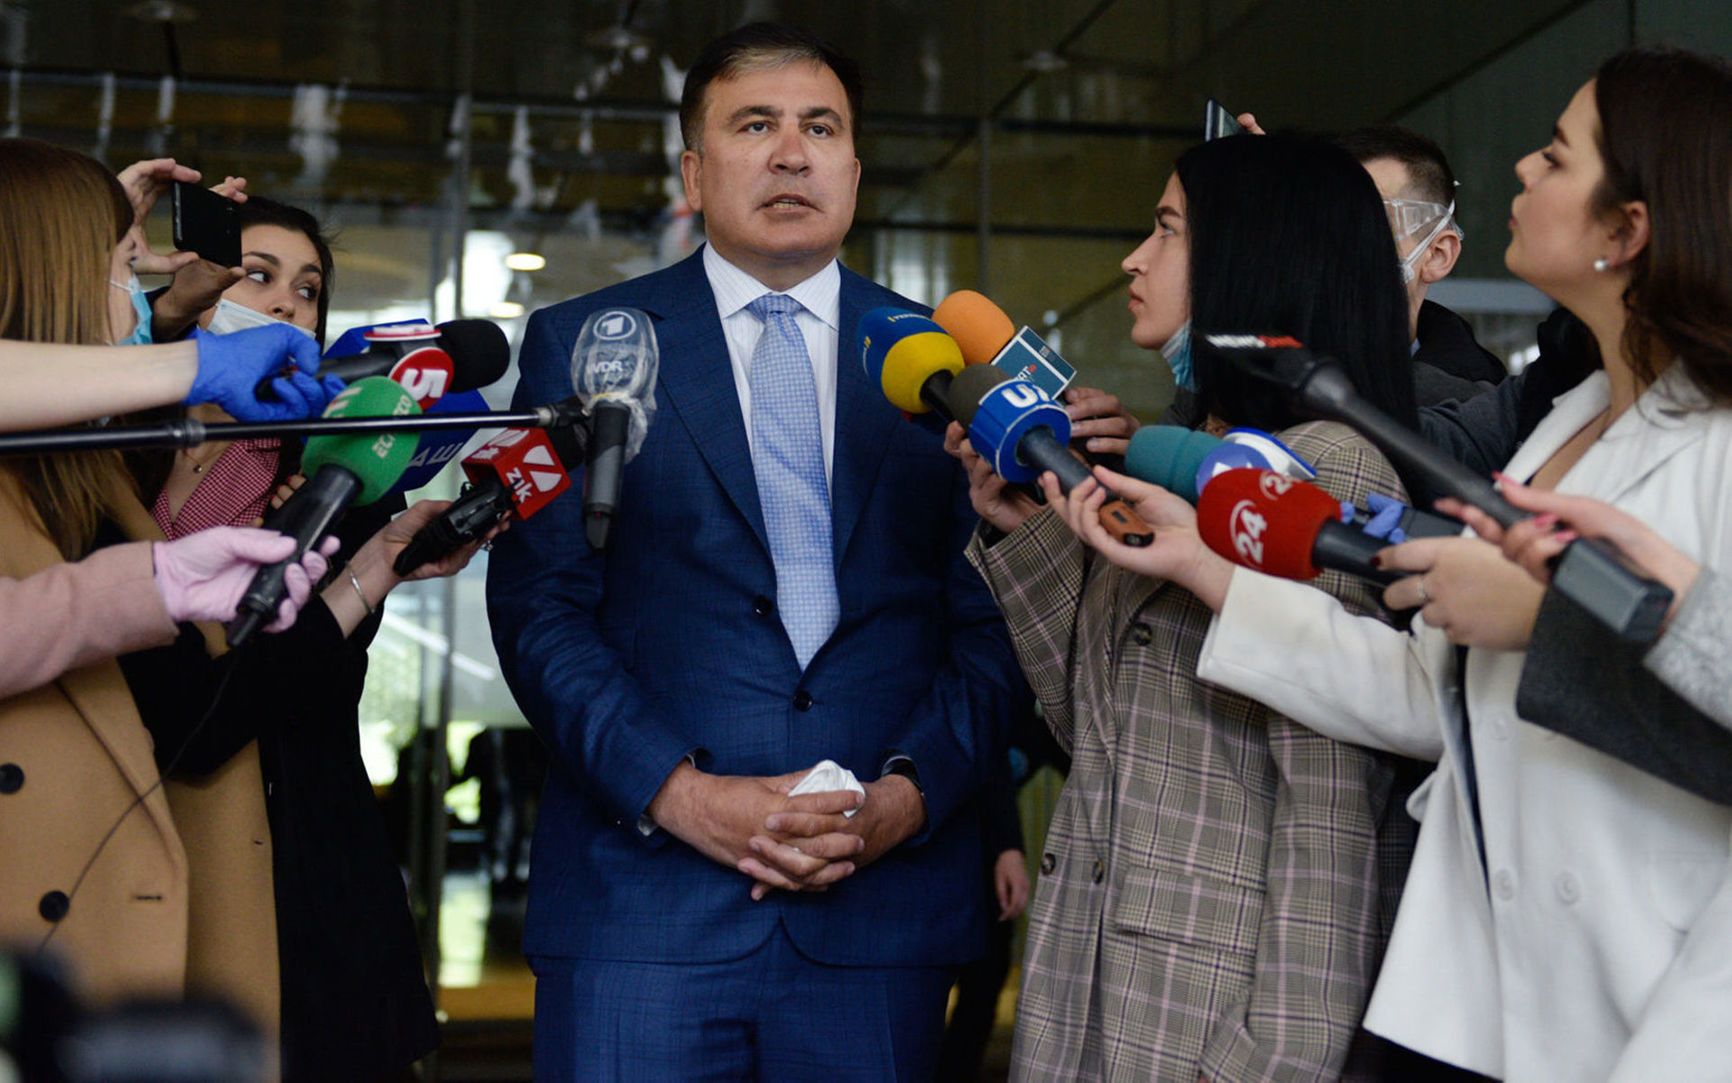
1218 121
206 223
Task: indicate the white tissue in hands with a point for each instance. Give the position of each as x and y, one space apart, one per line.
828 777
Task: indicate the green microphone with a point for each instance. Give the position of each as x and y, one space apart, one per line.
341 471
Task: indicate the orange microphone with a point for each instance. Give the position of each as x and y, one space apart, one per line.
980 328
987 336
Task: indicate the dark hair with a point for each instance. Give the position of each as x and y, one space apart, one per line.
259 211
1427 169
1288 236
151 468
757 46
1666 139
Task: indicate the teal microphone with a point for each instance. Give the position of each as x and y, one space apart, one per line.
1169 456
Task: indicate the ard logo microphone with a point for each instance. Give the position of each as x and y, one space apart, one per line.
613 371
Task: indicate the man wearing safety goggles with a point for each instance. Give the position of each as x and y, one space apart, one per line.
1418 189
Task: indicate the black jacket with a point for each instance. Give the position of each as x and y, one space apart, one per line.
1447 347
355 1003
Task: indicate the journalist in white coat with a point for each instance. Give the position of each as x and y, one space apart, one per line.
1567 916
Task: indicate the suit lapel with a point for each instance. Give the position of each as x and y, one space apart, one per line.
699 382
1572 410
864 421
1656 428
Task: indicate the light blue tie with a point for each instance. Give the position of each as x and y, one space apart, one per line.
788 458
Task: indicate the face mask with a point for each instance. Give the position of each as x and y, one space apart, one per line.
230 317
1177 351
1410 262
141 308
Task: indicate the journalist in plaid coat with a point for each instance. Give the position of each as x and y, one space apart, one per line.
1217 881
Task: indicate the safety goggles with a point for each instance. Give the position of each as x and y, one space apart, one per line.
1408 217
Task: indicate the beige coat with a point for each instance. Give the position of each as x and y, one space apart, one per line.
81 761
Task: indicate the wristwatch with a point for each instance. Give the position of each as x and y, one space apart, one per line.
902 765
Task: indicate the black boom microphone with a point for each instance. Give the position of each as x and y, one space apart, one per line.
1587 571
458 355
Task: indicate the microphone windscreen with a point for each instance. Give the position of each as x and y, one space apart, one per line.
378 459
971 386
980 328
1169 456
479 352
901 350
1262 520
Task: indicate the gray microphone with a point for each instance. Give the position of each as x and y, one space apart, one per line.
613 372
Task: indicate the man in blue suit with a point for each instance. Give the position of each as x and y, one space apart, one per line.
784 584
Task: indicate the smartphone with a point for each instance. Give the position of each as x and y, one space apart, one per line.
206 223
1218 121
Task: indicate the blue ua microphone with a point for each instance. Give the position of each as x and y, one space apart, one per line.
1017 428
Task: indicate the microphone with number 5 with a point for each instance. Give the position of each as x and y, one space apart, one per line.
1021 432
429 362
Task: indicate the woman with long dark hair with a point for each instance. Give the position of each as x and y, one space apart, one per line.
1214 891
272 791
1568 916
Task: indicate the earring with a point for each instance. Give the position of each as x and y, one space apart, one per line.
1602 265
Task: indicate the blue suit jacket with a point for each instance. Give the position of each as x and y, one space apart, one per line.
667 645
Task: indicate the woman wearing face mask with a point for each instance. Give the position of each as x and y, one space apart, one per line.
274 787
1217 879
92 866
1567 916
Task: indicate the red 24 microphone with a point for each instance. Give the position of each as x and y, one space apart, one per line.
1286 528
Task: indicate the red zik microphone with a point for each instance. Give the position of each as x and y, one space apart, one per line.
515 474
526 463
1286 528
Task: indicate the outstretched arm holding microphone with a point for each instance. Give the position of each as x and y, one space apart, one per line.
48 384
1586 684
129 597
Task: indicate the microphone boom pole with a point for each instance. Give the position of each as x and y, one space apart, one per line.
191 433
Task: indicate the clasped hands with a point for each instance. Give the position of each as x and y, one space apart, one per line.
804 843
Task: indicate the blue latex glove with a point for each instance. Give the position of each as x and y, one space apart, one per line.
1385 513
231 366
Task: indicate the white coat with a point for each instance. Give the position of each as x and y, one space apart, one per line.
1595 941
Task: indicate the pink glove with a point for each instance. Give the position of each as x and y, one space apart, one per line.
202 576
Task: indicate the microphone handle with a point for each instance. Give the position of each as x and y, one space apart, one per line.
1588 572
935 392
1415 523
1344 548
1331 394
1042 450
610 424
479 509
306 517
374 362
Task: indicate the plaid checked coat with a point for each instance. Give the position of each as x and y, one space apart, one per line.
1218 881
